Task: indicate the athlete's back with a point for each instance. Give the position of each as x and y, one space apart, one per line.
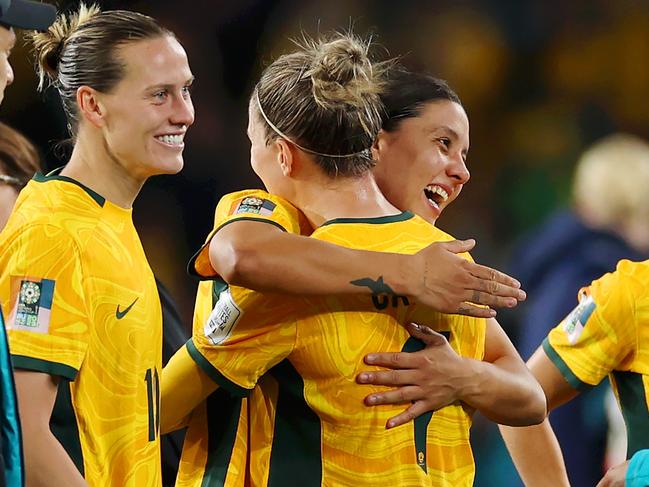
322 433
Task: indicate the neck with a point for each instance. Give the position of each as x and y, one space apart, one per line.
327 199
101 172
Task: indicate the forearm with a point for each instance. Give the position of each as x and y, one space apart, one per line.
46 461
291 264
504 391
536 454
182 387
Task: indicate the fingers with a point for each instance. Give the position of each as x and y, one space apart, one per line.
460 246
395 396
486 299
414 411
489 274
392 360
470 309
387 377
426 334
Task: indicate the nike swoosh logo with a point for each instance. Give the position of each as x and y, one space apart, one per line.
120 314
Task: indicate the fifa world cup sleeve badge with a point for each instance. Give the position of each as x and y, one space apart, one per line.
33 306
575 322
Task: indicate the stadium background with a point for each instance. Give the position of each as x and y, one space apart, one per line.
541 79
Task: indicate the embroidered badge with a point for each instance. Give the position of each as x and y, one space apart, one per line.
34 306
575 322
256 205
224 316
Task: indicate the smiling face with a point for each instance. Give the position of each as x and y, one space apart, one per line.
422 163
7 41
149 111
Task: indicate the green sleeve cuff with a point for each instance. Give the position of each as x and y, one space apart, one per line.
45 366
574 381
637 475
213 373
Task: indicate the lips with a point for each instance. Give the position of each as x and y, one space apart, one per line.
172 140
436 195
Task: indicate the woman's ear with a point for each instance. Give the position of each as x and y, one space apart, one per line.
286 158
378 146
90 106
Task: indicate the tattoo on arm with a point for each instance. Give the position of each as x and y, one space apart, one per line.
377 287
381 293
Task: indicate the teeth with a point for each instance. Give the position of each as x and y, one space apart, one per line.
438 190
171 139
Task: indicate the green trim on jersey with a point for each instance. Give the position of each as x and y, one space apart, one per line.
190 265
63 424
420 423
568 374
223 414
633 402
378 220
296 456
213 373
45 366
55 176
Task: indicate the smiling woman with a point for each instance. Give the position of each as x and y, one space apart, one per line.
82 306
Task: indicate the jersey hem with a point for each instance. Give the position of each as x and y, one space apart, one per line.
574 381
213 373
45 366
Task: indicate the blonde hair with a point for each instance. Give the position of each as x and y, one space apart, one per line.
79 49
325 98
611 187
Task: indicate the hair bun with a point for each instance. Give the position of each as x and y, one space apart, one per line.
48 46
341 73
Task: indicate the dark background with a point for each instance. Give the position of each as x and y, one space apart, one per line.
540 79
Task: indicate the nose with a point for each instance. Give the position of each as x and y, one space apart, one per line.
183 111
457 169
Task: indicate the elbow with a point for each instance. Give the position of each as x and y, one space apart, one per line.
534 410
235 264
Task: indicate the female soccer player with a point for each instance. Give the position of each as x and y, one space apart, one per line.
81 302
313 117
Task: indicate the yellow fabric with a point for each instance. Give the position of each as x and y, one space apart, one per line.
102 330
616 335
325 340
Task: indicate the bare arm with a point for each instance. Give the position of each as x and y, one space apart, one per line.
500 387
526 444
262 257
182 387
46 461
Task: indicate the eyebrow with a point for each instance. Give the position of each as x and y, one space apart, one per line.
168 86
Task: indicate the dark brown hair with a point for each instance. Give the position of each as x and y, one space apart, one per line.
407 92
80 50
325 98
19 159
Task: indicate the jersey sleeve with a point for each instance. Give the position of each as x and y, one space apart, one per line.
245 335
249 205
45 302
599 335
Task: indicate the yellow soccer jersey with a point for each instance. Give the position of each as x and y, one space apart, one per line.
216 447
608 334
322 433
81 303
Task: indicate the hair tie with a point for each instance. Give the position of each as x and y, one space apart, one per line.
363 152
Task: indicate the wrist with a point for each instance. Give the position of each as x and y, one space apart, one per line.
402 275
471 380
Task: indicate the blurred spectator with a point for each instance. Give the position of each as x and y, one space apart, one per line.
19 160
608 222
